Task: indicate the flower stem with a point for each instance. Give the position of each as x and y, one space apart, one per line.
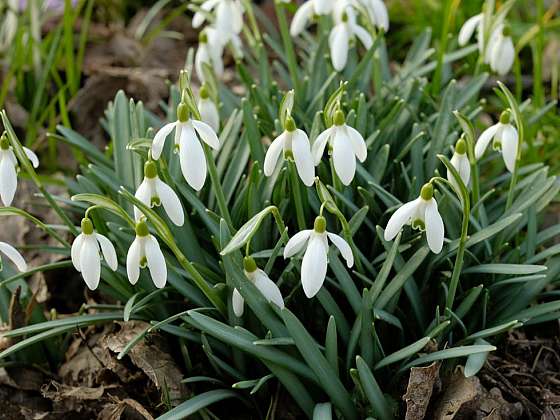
215 179
459 259
288 44
294 182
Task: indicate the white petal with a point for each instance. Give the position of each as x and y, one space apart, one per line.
344 158
201 58
14 256
269 289
76 250
302 156
8 180
90 262
159 139
273 153
206 133
400 218
464 169
133 260
209 113
484 140
358 143
343 247
434 227
170 202
314 266
319 144
301 18
199 18
156 262
468 28
32 157
510 143
338 42
322 7
108 251
192 159
380 14
296 243
503 56
238 303
143 194
363 36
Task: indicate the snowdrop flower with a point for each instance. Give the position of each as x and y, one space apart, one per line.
314 264
345 29
154 192
421 214
85 254
208 109
295 145
500 53
188 136
346 144
460 162
474 23
13 255
228 15
377 12
8 27
260 279
504 138
210 49
305 13
145 251
8 169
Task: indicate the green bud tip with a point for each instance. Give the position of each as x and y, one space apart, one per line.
249 264
461 147
4 142
339 118
427 192
183 112
150 169
204 92
87 226
203 38
506 31
290 124
142 229
320 225
345 17
505 117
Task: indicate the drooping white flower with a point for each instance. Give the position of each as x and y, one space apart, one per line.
154 192
209 53
377 12
346 144
421 214
315 259
208 109
500 53
188 136
85 254
473 23
145 251
228 15
8 169
505 138
460 162
305 13
13 255
295 145
262 282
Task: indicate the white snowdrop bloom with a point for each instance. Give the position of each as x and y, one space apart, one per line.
295 145
8 169
210 50
154 192
346 144
343 32
145 251
377 12
228 15
13 255
262 282
474 23
460 162
85 254
500 53
504 138
315 259
8 27
208 109
188 136
421 214
307 11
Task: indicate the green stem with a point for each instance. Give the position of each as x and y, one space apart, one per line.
294 182
459 259
215 179
288 44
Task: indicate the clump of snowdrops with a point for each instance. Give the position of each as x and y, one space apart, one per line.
316 234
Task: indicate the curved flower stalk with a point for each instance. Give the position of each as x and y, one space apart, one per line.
377 13
504 137
460 162
315 259
188 136
421 214
227 14
346 144
8 169
13 255
85 254
262 282
500 53
210 50
145 251
154 192
295 145
208 110
307 11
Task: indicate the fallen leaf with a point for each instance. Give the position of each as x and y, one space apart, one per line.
457 392
419 390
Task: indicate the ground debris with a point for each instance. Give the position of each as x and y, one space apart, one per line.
419 390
